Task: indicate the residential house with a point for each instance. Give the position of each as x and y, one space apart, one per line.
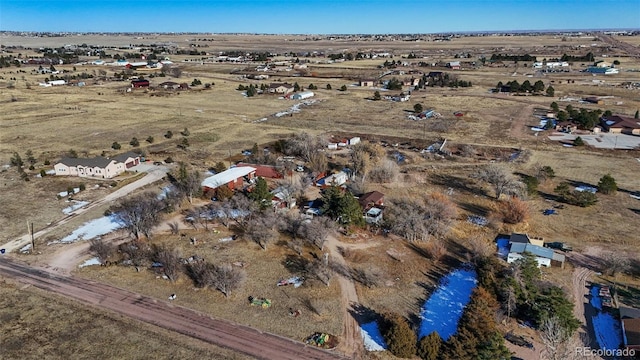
169 85
453 65
594 100
602 70
283 198
367 82
337 179
233 178
525 239
618 124
411 82
280 88
372 204
140 83
98 167
265 171
544 256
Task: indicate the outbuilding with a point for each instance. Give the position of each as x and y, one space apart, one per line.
233 178
302 95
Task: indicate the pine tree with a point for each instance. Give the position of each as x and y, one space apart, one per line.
260 193
429 346
399 336
607 185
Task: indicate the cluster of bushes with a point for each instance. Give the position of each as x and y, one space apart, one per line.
584 118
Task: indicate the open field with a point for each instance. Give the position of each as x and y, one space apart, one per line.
37 325
222 122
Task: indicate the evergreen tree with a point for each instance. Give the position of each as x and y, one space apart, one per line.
328 86
637 115
429 346
607 185
578 141
551 91
399 336
261 194
343 88
376 95
417 108
296 87
555 107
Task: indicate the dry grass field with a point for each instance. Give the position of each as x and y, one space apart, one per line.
222 122
37 325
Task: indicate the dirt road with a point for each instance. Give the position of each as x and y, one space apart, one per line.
351 343
223 333
151 177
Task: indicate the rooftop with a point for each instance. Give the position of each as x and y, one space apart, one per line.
631 332
540 251
227 176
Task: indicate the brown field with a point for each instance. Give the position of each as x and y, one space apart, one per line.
222 122
37 325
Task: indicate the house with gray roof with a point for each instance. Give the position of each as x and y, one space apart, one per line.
544 256
97 167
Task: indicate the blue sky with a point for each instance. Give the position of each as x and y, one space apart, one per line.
316 16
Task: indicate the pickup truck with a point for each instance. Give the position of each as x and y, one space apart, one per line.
558 246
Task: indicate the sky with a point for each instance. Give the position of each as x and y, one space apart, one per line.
316 16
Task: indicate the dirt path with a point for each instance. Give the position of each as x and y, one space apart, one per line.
351 343
151 177
244 339
519 121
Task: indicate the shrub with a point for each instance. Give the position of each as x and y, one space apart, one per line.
578 141
514 211
607 185
134 142
116 146
168 134
531 183
168 160
429 346
47 162
150 139
43 173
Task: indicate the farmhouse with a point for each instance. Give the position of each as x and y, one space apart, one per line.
139 83
233 178
367 82
98 167
619 124
453 65
279 88
544 256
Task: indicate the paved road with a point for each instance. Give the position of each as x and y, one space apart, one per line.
152 176
223 333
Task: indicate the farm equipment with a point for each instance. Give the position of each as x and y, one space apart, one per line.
318 339
263 302
296 281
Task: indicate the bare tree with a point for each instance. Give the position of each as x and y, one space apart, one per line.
479 247
170 260
558 343
370 277
321 270
318 162
262 229
174 227
317 230
187 182
139 214
436 249
136 252
467 151
501 179
616 263
227 278
385 172
360 160
102 249
224 278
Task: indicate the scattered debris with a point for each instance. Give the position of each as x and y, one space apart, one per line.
590 189
296 281
263 302
228 238
294 313
172 297
25 249
478 220
322 340
548 212
518 340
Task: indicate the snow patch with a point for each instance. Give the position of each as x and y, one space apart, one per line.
92 261
373 340
65 193
590 189
25 249
91 230
76 205
442 311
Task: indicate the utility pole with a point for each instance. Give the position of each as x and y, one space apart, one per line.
30 230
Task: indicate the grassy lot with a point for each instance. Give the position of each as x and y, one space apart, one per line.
37 325
263 269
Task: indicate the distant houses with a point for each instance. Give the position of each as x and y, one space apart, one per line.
97 167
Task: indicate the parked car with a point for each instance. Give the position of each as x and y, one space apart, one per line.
559 246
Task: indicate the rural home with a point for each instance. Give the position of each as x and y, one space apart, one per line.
279 88
336 179
354 140
302 95
139 83
602 70
411 82
283 198
372 204
544 256
594 100
53 83
398 98
367 82
371 199
99 167
619 124
265 171
453 65
525 239
233 178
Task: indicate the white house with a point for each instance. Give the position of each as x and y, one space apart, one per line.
336 179
99 167
354 140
